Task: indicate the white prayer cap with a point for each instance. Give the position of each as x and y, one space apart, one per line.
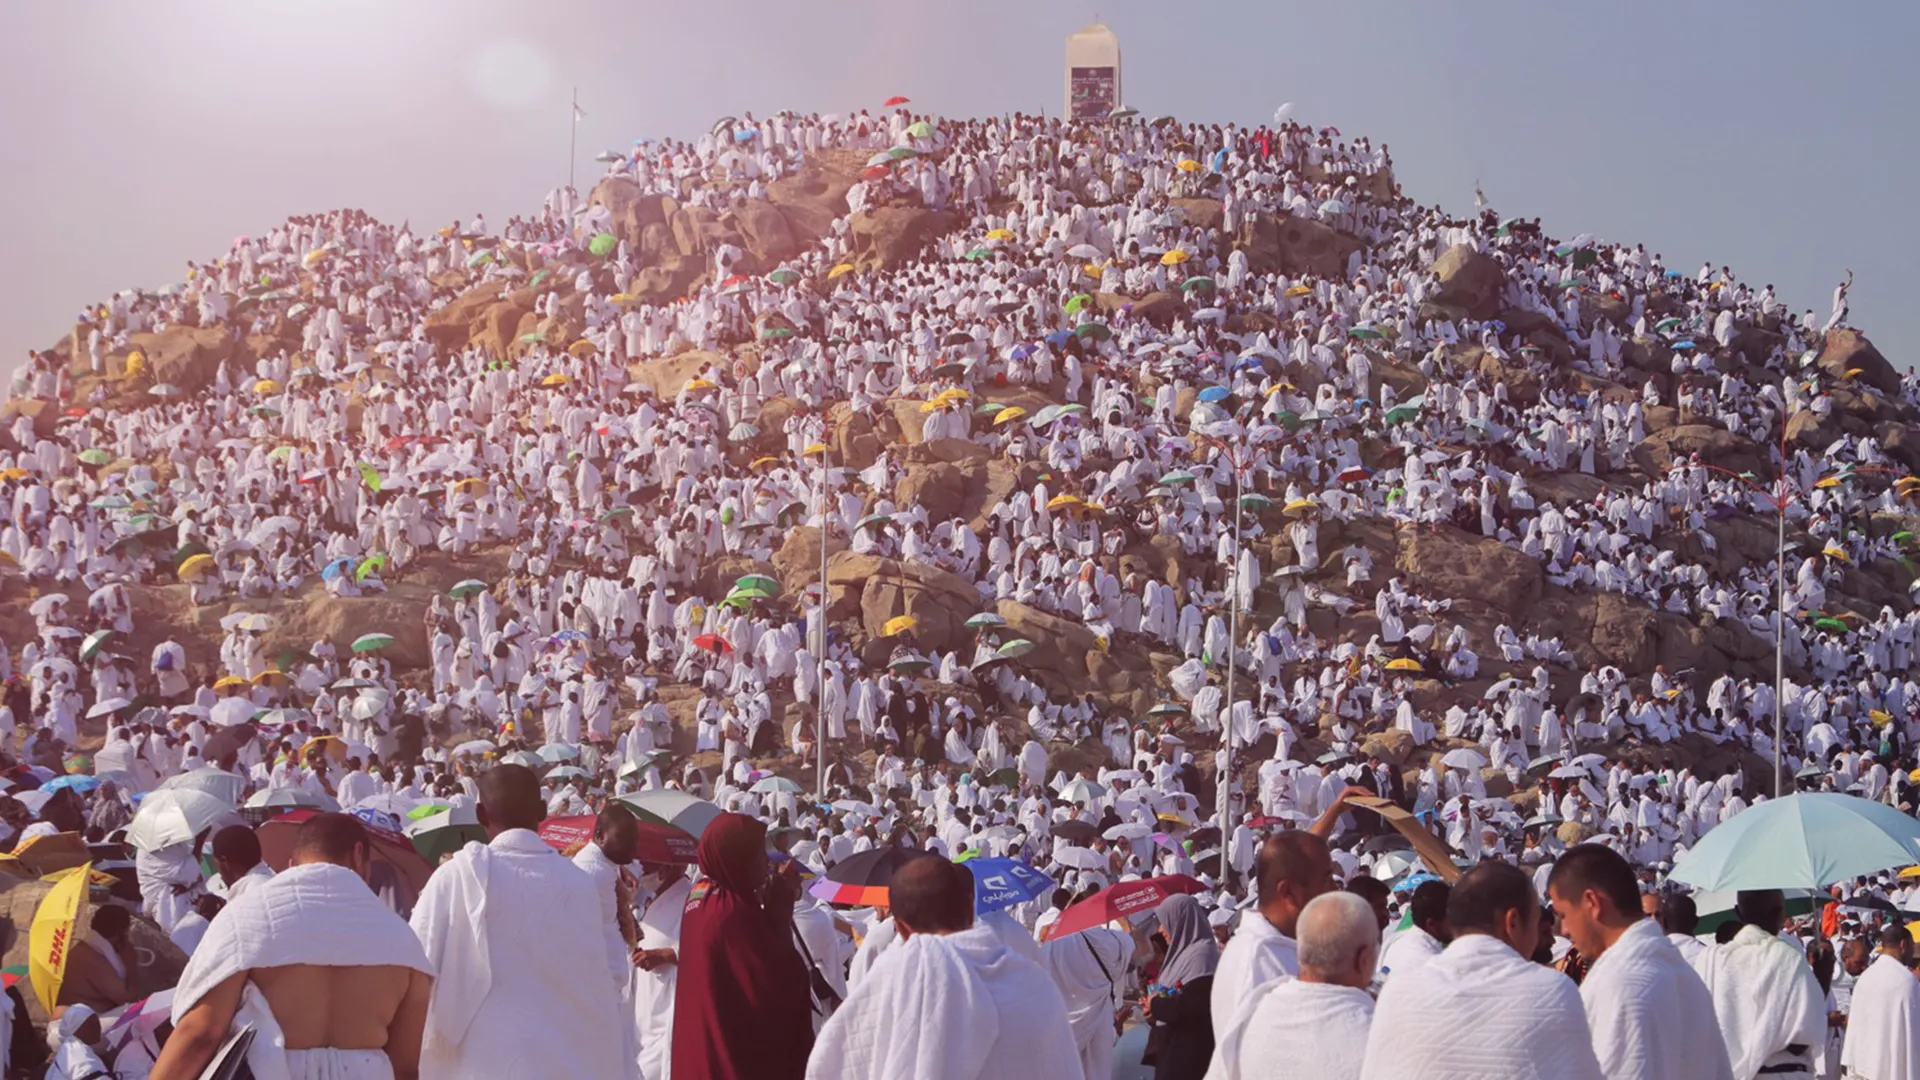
1221 916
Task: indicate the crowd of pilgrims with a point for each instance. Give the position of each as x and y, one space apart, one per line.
369 451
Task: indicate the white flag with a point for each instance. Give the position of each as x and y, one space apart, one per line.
579 113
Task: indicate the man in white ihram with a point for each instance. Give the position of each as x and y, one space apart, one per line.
1090 969
949 1002
1482 1009
516 934
1650 1015
1315 1025
1771 1009
1883 1028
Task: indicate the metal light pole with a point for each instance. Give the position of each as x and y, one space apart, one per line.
1233 638
820 714
1779 629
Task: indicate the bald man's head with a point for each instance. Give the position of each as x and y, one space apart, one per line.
931 896
1292 868
510 799
1339 940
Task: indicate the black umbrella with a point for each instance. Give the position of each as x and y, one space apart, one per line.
1871 903
862 879
1076 830
1386 842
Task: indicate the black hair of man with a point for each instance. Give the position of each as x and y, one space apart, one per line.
238 846
1764 908
1678 914
1894 938
931 896
1482 897
1062 897
330 838
1725 932
111 921
1288 856
1595 868
1429 904
1370 889
510 799
617 832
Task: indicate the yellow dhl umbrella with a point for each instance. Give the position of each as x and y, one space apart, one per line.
1173 258
471 484
1827 482
583 347
1187 165
698 384
899 624
1912 871
1000 234
764 462
1061 502
55 928
1299 290
1008 415
1835 553
556 379
1301 506
196 566
838 271
956 393
1404 664
266 386
230 682
816 448
935 404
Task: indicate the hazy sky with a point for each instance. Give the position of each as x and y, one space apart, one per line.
1771 136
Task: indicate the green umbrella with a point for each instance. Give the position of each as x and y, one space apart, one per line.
280 453
1400 414
1077 302
978 254
1365 333
757 581
264 410
873 519
1584 258
603 244
1094 330
90 648
95 456
1832 624
1667 324
1178 476
444 832
1803 841
616 514
902 153
110 502
776 333
539 276
1255 501
1198 284
372 564
469 587
1015 649
479 257
372 642
920 130
784 276
751 594
1903 538
985 619
1167 708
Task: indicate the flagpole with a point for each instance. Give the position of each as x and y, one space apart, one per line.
573 136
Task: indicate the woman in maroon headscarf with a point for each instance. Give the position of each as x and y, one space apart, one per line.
741 1009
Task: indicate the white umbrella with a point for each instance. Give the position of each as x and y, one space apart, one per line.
1391 864
477 746
257 621
1083 251
1080 858
209 780
1464 758
291 798
45 603
110 705
1081 790
175 816
1568 772
1132 830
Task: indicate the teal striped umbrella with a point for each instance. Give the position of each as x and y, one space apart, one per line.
1806 841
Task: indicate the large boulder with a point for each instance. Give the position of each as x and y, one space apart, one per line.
1470 280
883 589
889 237
1811 430
816 195
1625 633
1446 561
186 356
797 564
769 239
946 489
1158 308
1199 213
1061 646
1295 245
1714 445
1848 350
667 375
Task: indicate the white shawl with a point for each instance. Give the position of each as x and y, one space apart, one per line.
1651 1016
1293 1028
1090 971
1766 998
948 1007
1884 1023
1480 1010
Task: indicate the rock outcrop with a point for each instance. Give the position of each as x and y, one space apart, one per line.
1471 281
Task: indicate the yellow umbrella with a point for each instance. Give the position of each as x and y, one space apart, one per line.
764 462
56 925
229 682
1187 165
471 483
843 268
1173 258
1008 415
1851 372
1000 234
1092 270
1301 506
1061 502
698 384
266 386
1835 553
333 746
1827 482
899 624
556 379
314 256
13 474
1404 664
196 565
1299 290
816 448
623 298
583 347
935 403
269 676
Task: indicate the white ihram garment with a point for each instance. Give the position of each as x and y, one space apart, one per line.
1766 999
1884 1023
1650 1015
